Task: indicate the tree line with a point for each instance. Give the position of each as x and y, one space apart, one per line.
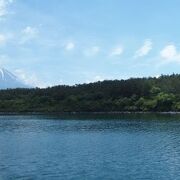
135 94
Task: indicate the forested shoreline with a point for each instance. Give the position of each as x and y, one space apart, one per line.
133 95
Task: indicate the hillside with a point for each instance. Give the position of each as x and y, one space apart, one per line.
135 94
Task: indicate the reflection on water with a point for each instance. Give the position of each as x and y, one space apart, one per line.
121 146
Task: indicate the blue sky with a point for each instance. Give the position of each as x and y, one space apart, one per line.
76 41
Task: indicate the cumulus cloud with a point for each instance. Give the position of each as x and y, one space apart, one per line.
92 51
96 78
29 79
69 46
117 51
29 33
170 54
3 7
32 31
145 49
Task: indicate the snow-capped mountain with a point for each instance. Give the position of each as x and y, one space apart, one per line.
9 80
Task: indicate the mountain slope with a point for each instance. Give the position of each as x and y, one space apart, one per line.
9 80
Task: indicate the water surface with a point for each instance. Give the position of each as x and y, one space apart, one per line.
90 147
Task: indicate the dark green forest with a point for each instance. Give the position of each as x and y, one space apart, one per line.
136 94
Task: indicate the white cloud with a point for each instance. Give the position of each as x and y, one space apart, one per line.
170 54
96 78
29 78
92 51
117 51
157 76
69 46
3 7
29 33
3 39
145 49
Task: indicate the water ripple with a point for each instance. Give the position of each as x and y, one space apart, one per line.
40 147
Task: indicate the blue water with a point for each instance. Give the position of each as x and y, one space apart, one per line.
90 148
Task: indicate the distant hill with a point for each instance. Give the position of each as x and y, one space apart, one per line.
135 94
9 80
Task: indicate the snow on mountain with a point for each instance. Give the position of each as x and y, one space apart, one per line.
9 80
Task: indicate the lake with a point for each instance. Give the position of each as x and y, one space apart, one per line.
90 147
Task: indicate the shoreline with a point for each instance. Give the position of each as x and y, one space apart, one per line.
86 113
